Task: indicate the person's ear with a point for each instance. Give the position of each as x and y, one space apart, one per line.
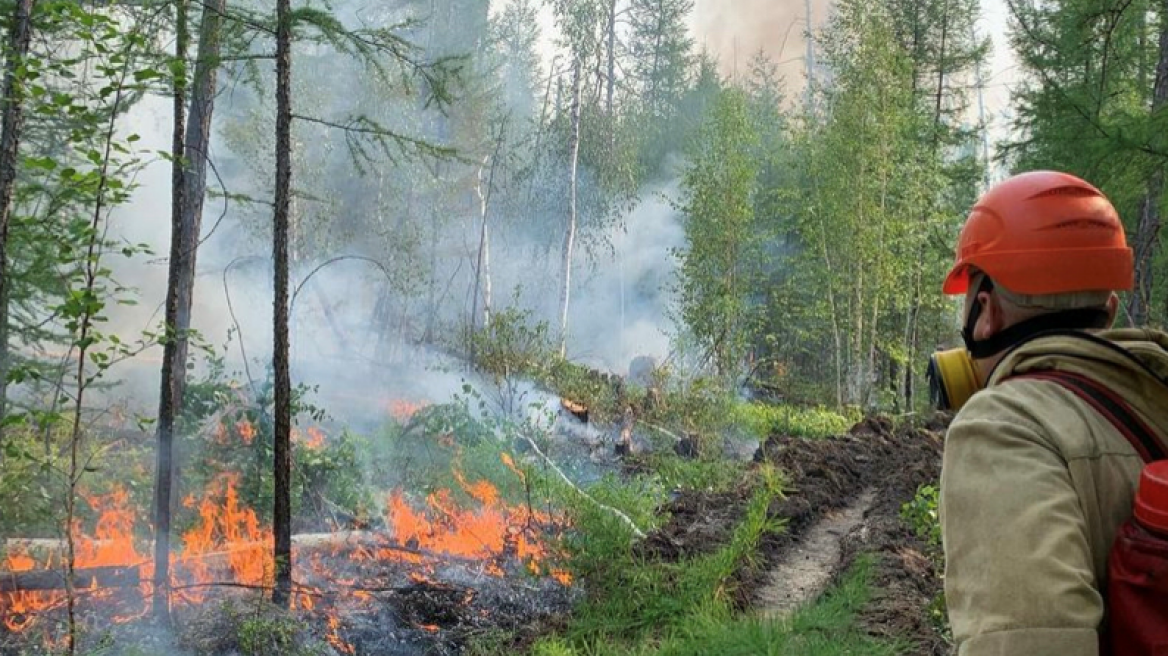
992 320
1112 309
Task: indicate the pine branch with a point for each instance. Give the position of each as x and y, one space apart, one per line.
362 131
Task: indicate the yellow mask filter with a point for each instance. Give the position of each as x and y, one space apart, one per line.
952 379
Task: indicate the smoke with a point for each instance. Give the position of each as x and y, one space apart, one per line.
623 310
735 30
359 338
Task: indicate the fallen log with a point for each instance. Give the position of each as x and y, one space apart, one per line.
208 564
332 543
52 579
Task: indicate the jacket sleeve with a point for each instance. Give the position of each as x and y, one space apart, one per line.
1018 573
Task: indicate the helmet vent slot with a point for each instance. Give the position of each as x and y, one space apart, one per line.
1071 191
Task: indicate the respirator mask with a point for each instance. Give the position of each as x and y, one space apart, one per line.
953 378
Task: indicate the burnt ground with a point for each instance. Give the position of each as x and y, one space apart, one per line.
848 492
434 607
843 498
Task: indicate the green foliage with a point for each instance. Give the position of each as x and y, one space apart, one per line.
921 515
825 628
763 420
513 345
274 636
441 443
225 430
713 474
33 480
722 237
1093 107
26 484
632 597
697 407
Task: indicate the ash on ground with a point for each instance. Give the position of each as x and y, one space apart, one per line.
418 606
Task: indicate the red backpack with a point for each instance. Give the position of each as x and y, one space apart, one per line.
1137 567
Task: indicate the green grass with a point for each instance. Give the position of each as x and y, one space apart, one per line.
632 597
826 628
706 474
763 420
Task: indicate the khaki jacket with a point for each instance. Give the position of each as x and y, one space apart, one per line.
1034 486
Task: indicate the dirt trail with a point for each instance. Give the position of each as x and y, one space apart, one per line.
809 566
842 502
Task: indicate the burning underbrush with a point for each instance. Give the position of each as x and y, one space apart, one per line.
420 570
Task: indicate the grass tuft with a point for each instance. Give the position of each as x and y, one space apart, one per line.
826 628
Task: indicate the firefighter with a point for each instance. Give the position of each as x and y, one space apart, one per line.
1036 482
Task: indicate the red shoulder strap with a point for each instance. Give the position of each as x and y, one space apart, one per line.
1111 406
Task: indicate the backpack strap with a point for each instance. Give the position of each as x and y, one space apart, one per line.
1111 407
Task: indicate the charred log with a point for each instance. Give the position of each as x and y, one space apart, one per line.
51 579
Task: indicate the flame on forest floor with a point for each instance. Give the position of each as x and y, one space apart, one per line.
229 545
312 439
246 430
495 529
226 532
403 410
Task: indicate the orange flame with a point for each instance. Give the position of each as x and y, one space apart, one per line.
315 440
334 637
246 430
403 410
493 531
228 544
230 533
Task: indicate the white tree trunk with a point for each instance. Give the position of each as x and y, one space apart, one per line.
570 229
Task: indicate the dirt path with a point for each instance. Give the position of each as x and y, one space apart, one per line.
809 566
842 502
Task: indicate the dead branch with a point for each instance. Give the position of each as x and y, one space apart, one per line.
625 519
51 579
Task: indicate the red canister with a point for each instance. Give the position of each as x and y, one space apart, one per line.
1151 508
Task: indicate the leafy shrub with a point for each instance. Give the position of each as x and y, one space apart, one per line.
330 479
33 482
603 394
513 345
710 475
921 515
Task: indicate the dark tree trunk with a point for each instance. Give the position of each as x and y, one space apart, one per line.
282 512
12 123
1147 239
188 197
173 369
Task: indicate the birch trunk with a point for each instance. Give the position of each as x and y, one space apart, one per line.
570 229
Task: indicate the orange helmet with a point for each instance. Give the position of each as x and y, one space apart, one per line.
1044 233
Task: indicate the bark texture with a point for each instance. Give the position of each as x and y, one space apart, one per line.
11 124
282 512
